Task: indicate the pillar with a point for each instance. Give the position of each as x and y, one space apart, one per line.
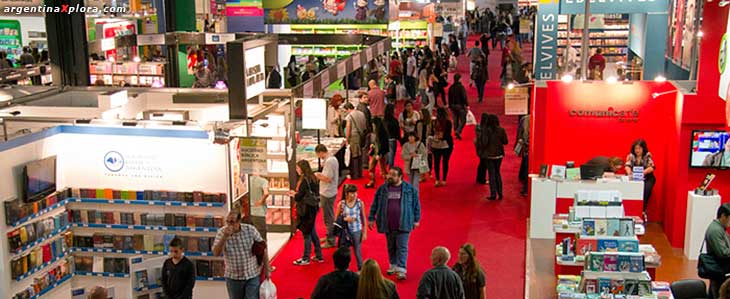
68 31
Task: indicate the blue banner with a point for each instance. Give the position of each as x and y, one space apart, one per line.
546 40
614 6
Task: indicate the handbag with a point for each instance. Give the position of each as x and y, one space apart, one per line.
708 267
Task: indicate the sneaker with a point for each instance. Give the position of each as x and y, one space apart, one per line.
401 276
391 270
318 259
301 262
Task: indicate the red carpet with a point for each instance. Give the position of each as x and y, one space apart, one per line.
451 216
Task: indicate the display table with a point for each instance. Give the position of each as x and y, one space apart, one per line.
550 197
701 210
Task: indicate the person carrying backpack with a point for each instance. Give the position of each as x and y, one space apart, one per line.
352 222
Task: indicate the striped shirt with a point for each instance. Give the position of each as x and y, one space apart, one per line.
355 213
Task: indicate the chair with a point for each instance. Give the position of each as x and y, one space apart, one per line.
689 289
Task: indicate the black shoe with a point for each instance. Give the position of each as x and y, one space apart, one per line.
492 197
500 197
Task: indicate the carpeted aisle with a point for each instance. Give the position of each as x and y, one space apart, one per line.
451 216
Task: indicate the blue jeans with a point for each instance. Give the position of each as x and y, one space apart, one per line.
414 177
392 145
357 247
308 240
243 289
398 249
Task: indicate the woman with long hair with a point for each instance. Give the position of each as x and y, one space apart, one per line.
424 131
639 156
481 142
424 73
352 210
292 72
471 273
378 151
408 118
306 196
393 128
411 151
372 284
496 140
442 145
440 87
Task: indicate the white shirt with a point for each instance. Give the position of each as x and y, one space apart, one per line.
330 170
411 71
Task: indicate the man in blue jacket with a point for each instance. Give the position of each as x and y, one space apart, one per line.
396 211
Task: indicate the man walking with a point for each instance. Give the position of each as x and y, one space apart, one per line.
411 73
440 282
718 245
458 104
355 123
376 98
396 210
235 242
328 181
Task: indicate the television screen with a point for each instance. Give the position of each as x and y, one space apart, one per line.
40 178
709 149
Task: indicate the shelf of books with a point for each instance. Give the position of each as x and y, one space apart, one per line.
610 33
133 73
410 34
93 232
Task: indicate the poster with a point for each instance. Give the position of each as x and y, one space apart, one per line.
515 101
312 111
326 11
690 31
245 15
253 155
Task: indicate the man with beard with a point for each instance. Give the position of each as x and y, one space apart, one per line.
396 210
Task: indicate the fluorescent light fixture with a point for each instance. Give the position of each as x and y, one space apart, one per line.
611 80
700 34
511 86
660 78
136 59
567 78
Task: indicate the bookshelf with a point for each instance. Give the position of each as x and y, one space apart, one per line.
410 34
133 73
612 36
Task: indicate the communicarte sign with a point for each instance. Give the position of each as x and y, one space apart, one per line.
253 155
630 115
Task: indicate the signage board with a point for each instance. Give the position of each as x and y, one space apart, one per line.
546 39
150 39
253 155
312 112
515 101
573 7
219 38
254 69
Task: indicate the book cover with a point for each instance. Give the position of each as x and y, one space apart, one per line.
609 262
596 262
98 241
572 174
108 241
166 241
628 245
617 286
218 268
46 254
138 241
180 220
543 170
140 279
203 268
631 287
30 229
591 286
108 265
557 172
149 243
127 243
637 263
601 227
159 243
627 228
605 245
108 194
169 220
190 220
118 242
204 244
612 227
644 288
624 263
98 264
99 193
589 227
192 244
584 246
217 221
604 286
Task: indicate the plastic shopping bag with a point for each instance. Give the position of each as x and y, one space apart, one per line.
347 156
470 119
267 290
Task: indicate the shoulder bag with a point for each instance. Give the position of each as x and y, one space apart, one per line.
708 267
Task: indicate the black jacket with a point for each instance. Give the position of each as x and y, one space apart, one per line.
368 117
338 284
457 94
178 280
307 200
496 140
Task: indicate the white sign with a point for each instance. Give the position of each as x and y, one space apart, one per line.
108 44
356 62
515 101
308 89
253 154
325 79
381 48
341 69
150 39
219 38
313 112
254 69
724 56
369 54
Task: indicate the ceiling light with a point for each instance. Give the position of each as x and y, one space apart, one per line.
700 34
660 78
611 80
567 78
511 86
136 59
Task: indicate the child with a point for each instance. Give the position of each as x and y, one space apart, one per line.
178 273
352 209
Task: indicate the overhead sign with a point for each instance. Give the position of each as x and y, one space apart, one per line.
515 101
312 112
546 40
613 6
253 155
150 39
254 67
219 38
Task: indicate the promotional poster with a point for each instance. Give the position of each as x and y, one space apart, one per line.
326 11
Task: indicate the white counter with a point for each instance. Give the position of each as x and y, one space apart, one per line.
701 210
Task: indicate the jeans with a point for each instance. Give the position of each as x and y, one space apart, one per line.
495 177
480 89
392 146
482 171
243 289
459 112
424 96
414 175
411 87
524 173
308 240
398 250
442 93
357 248
438 154
328 212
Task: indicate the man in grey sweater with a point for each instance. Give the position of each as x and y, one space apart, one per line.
718 244
440 282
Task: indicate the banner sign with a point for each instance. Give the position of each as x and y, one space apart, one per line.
326 11
613 6
546 40
515 101
253 155
245 15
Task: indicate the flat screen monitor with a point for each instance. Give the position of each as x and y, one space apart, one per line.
709 149
39 178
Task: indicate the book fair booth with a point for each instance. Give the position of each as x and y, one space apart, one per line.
597 221
96 181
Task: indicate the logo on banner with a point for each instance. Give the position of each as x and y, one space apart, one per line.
113 161
625 116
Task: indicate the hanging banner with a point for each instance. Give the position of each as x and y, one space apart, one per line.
515 101
312 111
574 7
326 11
546 39
245 15
253 155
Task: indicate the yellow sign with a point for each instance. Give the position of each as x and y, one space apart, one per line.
515 101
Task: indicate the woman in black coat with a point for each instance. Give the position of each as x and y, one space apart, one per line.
306 196
481 142
496 138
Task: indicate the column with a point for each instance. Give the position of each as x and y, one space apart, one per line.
68 31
